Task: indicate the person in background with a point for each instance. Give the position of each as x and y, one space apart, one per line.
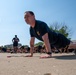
15 41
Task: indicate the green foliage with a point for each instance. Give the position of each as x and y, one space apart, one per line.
39 43
61 28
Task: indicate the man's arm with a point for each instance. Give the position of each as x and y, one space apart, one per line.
18 40
46 42
12 40
31 46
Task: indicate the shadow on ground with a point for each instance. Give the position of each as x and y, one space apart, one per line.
66 57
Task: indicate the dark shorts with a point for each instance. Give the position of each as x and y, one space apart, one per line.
62 41
15 44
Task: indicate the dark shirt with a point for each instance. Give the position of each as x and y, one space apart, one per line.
40 29
56 39
15 39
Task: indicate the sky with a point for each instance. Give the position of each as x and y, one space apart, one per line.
50 11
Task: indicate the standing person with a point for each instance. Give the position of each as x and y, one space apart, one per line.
41 31
15 41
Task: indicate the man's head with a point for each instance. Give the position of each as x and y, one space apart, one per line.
29 17
15 35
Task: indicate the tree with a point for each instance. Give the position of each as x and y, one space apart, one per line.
61 28
39 43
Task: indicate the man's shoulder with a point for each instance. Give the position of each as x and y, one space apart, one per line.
14 38
40 22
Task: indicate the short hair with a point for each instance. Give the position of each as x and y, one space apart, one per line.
16 35
31 12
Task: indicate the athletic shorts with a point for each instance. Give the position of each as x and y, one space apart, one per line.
62 42
15 44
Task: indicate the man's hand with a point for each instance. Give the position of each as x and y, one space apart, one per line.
46 56
31 47
29 56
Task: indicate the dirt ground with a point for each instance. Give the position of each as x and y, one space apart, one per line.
18 64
